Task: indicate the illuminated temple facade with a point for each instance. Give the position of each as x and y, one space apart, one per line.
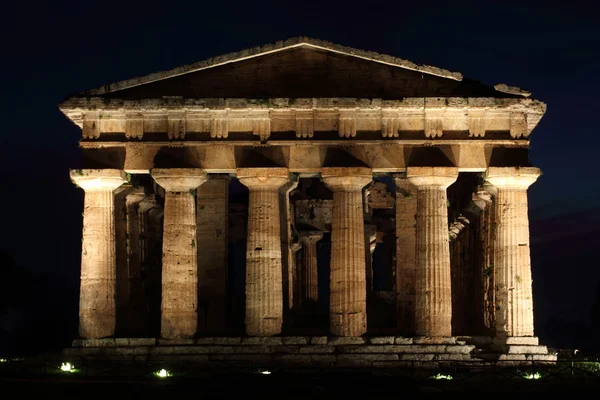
305 196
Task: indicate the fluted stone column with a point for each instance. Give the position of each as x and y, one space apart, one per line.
348 286
433 294
179 316
297 278
512 263
287 242
134 285
370 244
150 214
310 283
406 236
212 232
97 309
264 294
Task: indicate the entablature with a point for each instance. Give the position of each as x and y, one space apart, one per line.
304 156
214 119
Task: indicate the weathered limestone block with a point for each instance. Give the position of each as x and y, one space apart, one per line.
434 340
310 287
314 212
433 285
389 123
261 127
262 341
382 340
403 340
211 243
134 127
296 340
219 125
318 340
317 349
97 308
344 341
291 349
517 349
176 125
476 123
304 123
348 305
379 197
347 123
363 360
512 263
179 317
406 236
228 340
264 295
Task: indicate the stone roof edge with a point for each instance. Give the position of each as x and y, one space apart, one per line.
75 108
267 49
175 103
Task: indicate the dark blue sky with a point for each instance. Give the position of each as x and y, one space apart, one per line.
53 49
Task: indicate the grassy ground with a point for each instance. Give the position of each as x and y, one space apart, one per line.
279 386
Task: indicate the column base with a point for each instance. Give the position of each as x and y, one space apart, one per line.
516 340
518 345
308 351
179 325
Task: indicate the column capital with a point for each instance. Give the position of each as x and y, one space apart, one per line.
311 236
512 177
98 179
441 177
268 178
178 179
148 202
345 178
135 196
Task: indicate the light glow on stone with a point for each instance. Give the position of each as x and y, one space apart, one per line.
163 373
535 375
442 376
67 367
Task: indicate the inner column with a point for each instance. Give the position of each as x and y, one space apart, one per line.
97 308
406 225
179 316
264 291
512 263
310 287
433 295
348 286
212 231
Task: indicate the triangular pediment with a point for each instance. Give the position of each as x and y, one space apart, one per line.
299 68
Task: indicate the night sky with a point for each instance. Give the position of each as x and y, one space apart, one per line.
54 49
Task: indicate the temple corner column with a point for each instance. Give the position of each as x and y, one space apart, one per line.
97 304
179 307
512 259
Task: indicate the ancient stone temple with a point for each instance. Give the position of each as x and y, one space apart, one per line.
306 203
